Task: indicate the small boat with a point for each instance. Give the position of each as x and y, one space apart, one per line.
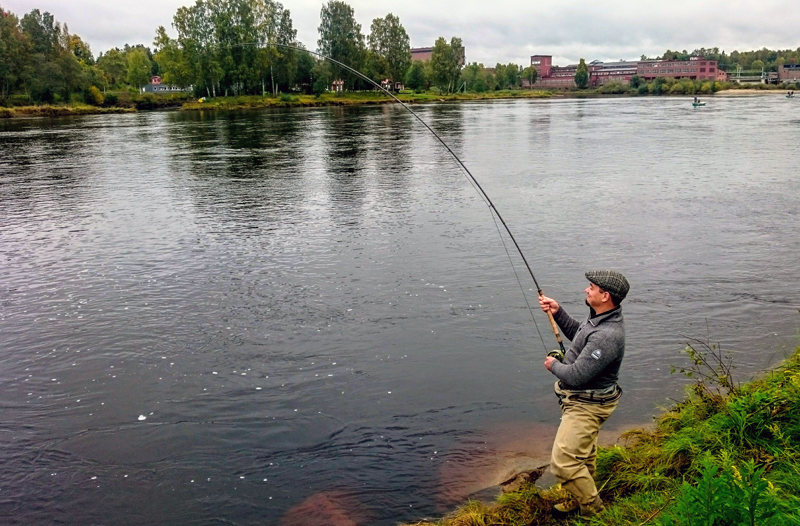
789 96
696 104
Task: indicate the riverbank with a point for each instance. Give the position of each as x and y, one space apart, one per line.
59 111
181 101
728 450
351 99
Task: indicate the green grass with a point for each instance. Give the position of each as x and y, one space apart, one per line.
710 439
347 99
48 110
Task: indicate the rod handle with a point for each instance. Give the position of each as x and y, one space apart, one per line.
553 324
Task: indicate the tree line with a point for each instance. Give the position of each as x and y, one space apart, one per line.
250 47
768 59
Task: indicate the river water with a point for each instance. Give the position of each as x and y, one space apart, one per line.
308 316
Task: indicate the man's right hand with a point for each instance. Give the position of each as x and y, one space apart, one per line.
548 304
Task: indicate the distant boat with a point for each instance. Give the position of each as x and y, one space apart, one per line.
789 96
696 104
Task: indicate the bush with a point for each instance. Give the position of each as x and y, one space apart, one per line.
727 495
93 96
110 99
643 89
19 100
614 87
285 97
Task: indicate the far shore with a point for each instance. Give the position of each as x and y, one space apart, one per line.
749 92
347 99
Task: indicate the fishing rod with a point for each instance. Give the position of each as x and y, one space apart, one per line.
470 177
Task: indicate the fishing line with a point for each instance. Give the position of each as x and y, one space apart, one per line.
471 178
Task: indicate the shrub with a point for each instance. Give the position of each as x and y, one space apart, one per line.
93 96
727 495
285 97
19 100
643 89
110 99
614 87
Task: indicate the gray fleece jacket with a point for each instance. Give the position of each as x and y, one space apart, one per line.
594 358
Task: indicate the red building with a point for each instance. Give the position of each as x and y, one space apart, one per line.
697 68
423 54
604 72
789 73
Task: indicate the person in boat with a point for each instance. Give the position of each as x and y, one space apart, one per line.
587 387
695 100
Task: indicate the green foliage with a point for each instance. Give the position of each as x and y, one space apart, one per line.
476 78
340 38
582 75
727 495
389 43
445 63
139 68
94 97
613 88
530 74
415 77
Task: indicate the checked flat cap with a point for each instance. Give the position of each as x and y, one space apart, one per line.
612 282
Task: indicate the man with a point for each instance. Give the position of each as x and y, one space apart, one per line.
587 386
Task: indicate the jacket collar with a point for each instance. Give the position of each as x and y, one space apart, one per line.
597 319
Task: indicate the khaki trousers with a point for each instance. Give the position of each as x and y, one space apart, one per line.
575 447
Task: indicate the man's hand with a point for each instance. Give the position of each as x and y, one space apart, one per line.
548 362
548 304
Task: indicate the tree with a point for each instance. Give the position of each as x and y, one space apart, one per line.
139 68
14 53
81 50
582 75
415 77
389 43
530 74
340 38
446 60
757 65
114 64
172 59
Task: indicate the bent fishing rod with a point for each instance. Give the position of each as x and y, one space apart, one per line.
471 178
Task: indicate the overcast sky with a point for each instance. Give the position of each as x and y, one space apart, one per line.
493 30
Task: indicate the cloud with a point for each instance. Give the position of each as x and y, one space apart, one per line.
497 31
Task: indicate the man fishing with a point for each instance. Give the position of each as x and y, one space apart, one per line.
587 387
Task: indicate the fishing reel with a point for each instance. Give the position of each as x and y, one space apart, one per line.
557 354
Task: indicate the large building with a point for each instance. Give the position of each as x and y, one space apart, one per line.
697 68
423 54
604 72
551 76
789 73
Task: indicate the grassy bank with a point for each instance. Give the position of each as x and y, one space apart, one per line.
348 99
727 455
59 111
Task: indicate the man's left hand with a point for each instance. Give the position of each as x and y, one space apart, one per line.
548 362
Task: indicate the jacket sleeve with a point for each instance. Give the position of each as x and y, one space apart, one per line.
567 324
599 352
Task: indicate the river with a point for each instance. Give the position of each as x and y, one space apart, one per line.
308 316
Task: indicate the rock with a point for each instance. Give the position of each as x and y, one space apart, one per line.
516 481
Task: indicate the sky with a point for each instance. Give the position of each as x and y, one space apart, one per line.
493 31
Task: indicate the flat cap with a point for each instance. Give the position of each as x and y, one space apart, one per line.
610 281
